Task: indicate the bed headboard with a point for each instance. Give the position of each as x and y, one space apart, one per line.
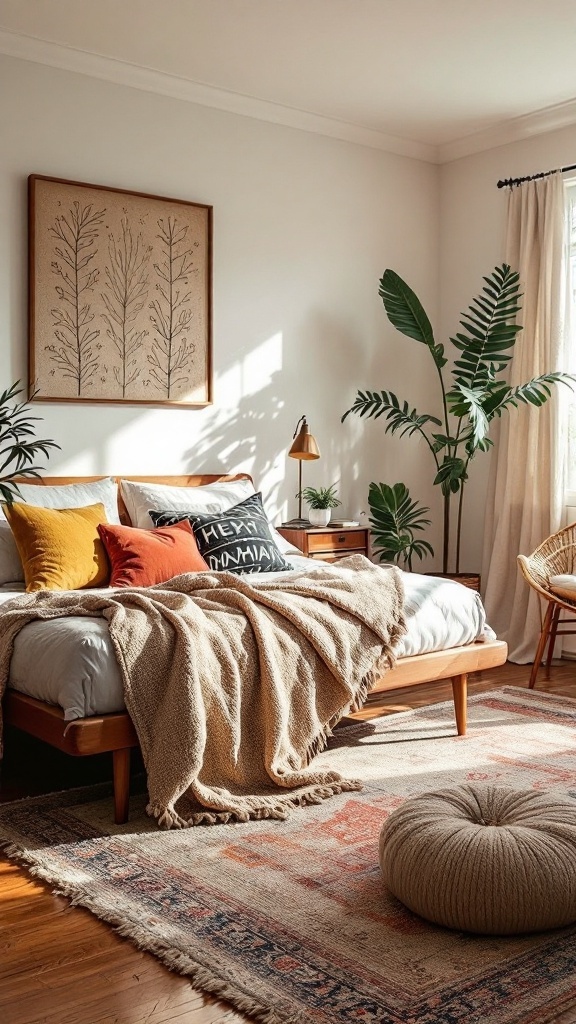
197 480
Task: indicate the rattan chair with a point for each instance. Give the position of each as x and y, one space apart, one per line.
555 556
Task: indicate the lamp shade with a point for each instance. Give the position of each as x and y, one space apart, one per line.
304 446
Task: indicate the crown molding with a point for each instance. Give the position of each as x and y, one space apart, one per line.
67 58
109 69
517 129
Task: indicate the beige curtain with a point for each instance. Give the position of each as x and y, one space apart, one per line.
526 493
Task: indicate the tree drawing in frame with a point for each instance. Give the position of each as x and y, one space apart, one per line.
76 232
119 296
171 314
124 297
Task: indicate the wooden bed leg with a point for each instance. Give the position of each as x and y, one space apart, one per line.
121 768
460 694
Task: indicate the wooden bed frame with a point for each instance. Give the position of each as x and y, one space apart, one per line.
116 734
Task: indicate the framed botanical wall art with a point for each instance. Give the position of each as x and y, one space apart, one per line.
120 292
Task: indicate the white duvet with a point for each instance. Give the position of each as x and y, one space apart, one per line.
70 662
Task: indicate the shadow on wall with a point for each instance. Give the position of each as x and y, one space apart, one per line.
241 440
242 432
333 354
368 451
225 441
268 381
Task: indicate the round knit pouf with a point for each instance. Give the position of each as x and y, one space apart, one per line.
484 859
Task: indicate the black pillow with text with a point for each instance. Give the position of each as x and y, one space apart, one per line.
238 540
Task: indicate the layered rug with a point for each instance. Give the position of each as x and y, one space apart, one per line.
289 920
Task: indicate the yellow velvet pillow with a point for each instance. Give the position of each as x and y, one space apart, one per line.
60 548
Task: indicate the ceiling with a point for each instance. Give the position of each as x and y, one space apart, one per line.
430 78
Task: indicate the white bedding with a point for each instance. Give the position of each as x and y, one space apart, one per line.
70 662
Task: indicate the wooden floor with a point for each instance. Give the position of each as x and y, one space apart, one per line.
61 965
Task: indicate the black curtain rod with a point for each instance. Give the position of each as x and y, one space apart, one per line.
510 182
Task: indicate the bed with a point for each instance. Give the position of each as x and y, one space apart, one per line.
88 721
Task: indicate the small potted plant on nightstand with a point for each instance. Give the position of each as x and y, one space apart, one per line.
321 501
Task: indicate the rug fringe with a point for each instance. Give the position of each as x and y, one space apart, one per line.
174 959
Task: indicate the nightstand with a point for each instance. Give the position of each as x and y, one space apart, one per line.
328 543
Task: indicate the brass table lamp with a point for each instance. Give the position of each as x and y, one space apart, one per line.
305 449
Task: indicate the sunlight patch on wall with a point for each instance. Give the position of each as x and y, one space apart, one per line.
260 365
238 433
261 391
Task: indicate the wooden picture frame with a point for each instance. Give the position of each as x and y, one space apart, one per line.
120 296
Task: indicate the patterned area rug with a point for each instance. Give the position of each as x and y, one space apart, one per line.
289 920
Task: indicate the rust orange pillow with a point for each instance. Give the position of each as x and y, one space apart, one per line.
142 558
59 547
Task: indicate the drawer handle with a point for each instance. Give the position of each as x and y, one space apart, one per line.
342 538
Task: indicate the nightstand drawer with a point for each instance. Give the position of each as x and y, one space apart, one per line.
335 556
326 543
336 540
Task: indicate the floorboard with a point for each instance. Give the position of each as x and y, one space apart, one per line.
61 965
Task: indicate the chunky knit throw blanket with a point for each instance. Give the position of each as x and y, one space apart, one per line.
234 682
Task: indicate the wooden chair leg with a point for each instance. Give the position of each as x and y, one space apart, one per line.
541 644
552 640
121 770
460 695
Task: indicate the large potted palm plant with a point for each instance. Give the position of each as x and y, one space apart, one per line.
473 396
18 446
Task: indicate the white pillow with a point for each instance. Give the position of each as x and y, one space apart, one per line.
139 498
53 496
73 496
564 585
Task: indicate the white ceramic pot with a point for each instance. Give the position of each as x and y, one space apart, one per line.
319 516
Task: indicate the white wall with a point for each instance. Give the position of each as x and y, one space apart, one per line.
473 221
304 227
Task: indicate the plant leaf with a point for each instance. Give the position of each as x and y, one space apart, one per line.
490 335
399 417
534 392
451 475
406 313
469 402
